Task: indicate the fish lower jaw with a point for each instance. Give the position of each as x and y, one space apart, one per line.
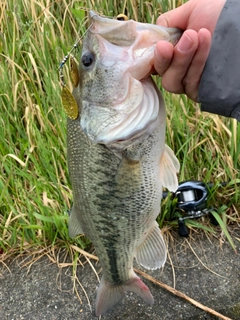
136 125
134 138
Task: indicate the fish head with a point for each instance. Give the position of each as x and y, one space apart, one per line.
118 98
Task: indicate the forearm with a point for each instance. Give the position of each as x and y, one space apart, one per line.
219 89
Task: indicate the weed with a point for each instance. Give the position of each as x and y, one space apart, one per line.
35 193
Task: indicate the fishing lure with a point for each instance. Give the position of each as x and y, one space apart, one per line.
69 103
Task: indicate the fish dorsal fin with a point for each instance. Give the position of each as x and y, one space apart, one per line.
169 167
151 254
74 226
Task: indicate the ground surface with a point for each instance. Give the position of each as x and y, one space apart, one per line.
45 292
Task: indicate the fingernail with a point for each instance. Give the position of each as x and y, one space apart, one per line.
201 38
185 43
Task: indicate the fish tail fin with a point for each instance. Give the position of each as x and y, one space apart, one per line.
137 286
109 296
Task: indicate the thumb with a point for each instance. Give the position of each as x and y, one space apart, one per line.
177 18
163 19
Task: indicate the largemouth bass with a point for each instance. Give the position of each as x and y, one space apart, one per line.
117 158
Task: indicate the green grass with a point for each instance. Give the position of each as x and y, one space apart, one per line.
35 192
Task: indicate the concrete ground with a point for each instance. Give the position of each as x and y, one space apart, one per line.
206 272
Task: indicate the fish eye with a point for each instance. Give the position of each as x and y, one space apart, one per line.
87 59
122 17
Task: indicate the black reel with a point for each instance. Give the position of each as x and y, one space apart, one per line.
192 199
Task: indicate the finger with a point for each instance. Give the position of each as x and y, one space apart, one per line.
182 57
194 15
193 75
162 56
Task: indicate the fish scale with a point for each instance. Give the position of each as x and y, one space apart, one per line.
110 201
117 158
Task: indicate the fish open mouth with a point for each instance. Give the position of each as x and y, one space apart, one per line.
129 103
121 125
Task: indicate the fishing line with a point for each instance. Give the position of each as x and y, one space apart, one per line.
65 59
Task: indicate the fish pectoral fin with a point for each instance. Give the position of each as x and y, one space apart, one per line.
74 226
169 167
109 296
129 173
151 254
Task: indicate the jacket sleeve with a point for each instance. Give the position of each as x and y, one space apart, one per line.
219 89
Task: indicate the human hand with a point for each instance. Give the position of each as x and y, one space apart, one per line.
181 66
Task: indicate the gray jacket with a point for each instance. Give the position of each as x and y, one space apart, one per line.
219 90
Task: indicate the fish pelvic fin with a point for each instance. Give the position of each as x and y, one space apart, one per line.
169 167
108 296
74 227
152 253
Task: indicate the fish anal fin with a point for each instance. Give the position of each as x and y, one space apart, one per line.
151 254
169 167
74 226
108 296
